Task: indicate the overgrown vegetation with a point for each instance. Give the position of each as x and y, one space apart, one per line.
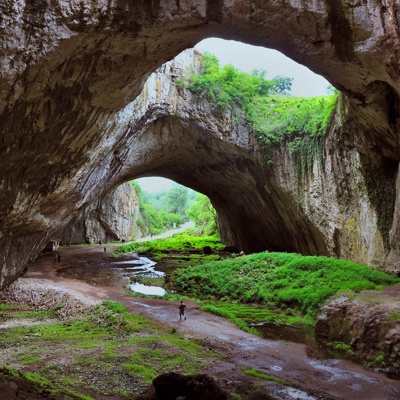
278 280
203 214
274 117
156 221
181 241
107 352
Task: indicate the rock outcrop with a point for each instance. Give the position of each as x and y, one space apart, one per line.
172 386
112 217
71 129
368 323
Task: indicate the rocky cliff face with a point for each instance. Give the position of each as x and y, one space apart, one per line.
368 323
111 217
71 129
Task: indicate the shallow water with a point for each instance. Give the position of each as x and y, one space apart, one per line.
290 333
119 274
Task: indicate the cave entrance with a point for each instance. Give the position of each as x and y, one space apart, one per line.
254 213
167 205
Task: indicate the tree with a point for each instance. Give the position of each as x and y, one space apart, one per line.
227 87
203 214
177 199
283 84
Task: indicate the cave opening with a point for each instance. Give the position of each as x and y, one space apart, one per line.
201 167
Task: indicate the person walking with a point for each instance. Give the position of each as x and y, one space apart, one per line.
182 307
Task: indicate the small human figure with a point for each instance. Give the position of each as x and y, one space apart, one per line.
105 249
151 236
99 242
55 257
182 307
58 258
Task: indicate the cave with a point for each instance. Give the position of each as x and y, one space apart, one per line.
71 80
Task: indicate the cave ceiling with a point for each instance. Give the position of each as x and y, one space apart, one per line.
70 69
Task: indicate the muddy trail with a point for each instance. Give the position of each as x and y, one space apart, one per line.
291 362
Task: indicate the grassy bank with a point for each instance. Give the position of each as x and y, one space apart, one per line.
288 282
106 351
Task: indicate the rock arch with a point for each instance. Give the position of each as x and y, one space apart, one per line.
68 69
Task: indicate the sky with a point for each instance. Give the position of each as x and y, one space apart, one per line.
246 58
154 184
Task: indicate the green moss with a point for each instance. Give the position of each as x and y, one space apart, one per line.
394 317
258 374
346 348
28 359
375 361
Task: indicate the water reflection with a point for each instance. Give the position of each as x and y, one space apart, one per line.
141 266
149 290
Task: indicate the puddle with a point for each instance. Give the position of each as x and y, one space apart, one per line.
145 289
304 335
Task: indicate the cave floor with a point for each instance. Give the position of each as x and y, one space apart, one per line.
290 362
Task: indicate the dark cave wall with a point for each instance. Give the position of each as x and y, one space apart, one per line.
68 72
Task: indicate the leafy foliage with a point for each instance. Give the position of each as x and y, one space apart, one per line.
177 199
227 87
155 221
279 280
274 118
203 214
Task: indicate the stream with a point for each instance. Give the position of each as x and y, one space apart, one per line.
121 274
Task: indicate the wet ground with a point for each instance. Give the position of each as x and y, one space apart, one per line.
309 377
129 272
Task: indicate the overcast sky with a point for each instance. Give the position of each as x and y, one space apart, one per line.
246 58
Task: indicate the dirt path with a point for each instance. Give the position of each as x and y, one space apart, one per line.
291 362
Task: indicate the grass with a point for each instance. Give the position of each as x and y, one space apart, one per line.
258 374
278 280
113 350
177 242
244 314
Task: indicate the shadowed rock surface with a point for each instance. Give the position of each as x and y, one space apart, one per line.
368 323
71 129
111 217
171 386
